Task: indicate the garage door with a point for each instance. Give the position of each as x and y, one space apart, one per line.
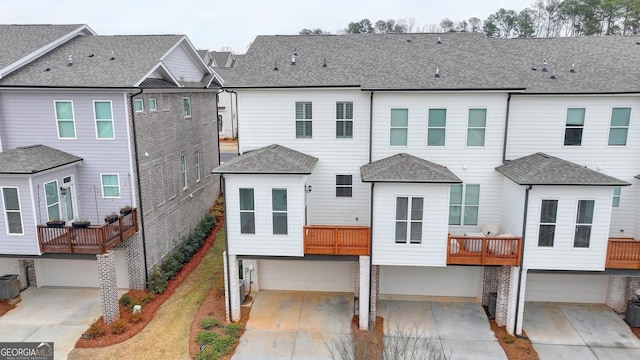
306 275
78 273
458 281
591 289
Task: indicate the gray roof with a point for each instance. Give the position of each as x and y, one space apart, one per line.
34 159
601 63
156 83
222 58
375 61
543 169
407 168
272 159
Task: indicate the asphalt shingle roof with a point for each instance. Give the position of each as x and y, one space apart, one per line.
272 159
407 168
34 159
375 61
543 169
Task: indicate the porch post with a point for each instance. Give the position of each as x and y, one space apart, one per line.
363 302
233 280
373 310
511 299
520 314
502 302
617 289
108 286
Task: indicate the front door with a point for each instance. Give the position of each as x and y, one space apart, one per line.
69 197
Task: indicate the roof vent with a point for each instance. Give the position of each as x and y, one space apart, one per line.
91 55
70 61
324 64
275 67
544 65
553 75
638 42
534 68
439 40
572 70
295 52
293 58
47 68
437 75
112 56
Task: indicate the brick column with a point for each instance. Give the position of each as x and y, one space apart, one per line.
135 263
504 280
232 279
617 299
363 311
375 291
108 286
489 283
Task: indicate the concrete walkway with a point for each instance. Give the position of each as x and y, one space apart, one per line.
579 331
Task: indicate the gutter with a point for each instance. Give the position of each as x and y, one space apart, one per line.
506 129
226 246
524 232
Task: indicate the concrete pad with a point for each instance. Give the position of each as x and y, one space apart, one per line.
265 344
564 352
616 353
401 347
276 310
464 320
545 323
457 349
326 312
64 337
16 332
599 326
413 318
313 346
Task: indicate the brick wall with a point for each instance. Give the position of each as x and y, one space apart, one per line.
108 286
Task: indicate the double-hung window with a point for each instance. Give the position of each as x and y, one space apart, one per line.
399 129
197 165
344 119
617 191
104 119
584 221
52 200
574 127
304 114
65 119
344 185
138 105
476 127
186 106
110 185
464 201
153 105
409 212
247 212
437 124
548 218
183 171
279 211
619 126
12 213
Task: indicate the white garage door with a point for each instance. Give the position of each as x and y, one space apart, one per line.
306 275
591 289
458 281
78 273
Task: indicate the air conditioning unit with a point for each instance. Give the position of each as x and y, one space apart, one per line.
9 287
243 295
632 316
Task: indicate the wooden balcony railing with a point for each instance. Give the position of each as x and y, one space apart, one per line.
337 240
623 254
474 250
95 239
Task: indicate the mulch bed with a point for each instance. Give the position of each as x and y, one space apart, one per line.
635 330
375 337
519 349
5 307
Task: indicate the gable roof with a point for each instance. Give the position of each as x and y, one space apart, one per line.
222 58
34 159
375 61
272 159
407 168
543 169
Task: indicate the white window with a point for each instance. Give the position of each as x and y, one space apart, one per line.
476 127
409 220
53 200
344 185
304 114
584 221
153 105
12 212
247 212
279 211
138 105
65 119
548 218
104 119
183 170
197 165
437 124
399 129
344 119
464 200
110 185
574 127
619 126
617 191
186 104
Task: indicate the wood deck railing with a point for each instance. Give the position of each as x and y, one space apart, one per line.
623 254
337 240
474 250
95 239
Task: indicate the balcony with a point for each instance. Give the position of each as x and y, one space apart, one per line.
486 250
95 239
337 240
623 253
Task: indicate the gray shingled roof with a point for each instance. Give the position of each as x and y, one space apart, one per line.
34 159
543 169
221 57
272 159
602 63
19 41
407 168
375 61
157 83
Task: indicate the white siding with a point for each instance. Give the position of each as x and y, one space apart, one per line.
26 244
575 288
563 256
303 275
512 207
432 251
459 281
268 117
40 196
264 242
181 65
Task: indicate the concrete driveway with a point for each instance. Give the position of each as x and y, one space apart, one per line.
579 331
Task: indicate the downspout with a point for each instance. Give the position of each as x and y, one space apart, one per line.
139 186
506 129
524 232
226 246
370 126
371 256
218 134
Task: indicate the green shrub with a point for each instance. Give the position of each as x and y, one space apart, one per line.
216 345
209 323
233 330
158 281
206 337
509 339
119 326
96 330
126 301
147 298
171 266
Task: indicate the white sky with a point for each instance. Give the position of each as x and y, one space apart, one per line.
213 24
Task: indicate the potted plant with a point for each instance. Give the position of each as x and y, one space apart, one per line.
81 224
126 210
55 223
111 218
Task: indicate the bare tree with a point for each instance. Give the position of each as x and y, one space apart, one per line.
446 25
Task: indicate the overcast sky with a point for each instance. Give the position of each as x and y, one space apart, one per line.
213 24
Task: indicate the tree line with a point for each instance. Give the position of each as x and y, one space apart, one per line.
545 18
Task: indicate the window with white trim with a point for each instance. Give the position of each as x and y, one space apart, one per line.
65 119
574 127
197 165
548 218
138 105
464 201
476 127
436 127
399 127
344 185
304 114
279 211
344 119
153 105
12 212
103 114
183 170
52 200
617 191
620 118
110 185
584 221
247 212
186 105
409 212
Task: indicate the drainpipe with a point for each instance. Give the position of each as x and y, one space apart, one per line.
524 232
139 186
506 129
371 254
226 245
217 132
370 126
